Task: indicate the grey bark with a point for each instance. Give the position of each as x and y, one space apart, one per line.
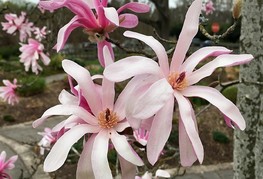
248 148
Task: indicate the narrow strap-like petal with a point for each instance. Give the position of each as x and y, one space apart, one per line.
189 30
218 100
128 170
192 61
131 66
160 131
156 46
220 61
128 20
99 160
82 76
84 169
124 149
100 46
59 152
135 7
112 15
186 110
66 110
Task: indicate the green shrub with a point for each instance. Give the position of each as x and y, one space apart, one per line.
9 118
220 137
9 51
31 85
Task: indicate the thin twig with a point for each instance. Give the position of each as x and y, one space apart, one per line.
162 39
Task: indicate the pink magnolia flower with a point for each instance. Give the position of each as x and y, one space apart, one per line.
31 53
159 173
208 7
98 23
141 135
20 24
40 34
8 92
102 120
49 138
6 165
155 95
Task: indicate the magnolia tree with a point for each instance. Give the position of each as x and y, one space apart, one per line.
95 112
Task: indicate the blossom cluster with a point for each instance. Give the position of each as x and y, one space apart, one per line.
146 104
31 49
6 165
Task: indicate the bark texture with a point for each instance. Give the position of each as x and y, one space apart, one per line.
248 148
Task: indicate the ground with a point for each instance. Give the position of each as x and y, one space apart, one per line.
209 122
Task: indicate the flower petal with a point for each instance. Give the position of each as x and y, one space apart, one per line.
218 100
192 61
100 46
160 131
135 7
66 110
99 160
220 61
84 169
67 98
124 149
128 20
186 111
82 76
60 150
151 101
128 170
162 173
156 46
129 67
112 15
189 30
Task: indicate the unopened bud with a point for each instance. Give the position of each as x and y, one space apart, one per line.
237 6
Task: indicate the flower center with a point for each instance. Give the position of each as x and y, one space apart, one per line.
95 36
177 81
107 119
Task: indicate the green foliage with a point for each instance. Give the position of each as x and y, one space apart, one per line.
199 101
56 62
8 118
31 85
112 156
220 137
9 52
231 93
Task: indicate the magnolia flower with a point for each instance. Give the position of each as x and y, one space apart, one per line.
155 95
31 53
6 165
49 138
8 92
159 173
98 23
208 7
141 135
40 34
20 24
103 120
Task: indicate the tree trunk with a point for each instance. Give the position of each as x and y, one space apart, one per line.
248 148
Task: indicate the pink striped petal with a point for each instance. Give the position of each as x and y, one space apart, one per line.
135 7
217 99
129 67
128 20
187 119
82 76
99 160
151 101
66 110
84 169
128 170
100 46
67 98
156 46
60 150
189 30
160 131
221 61
124 149
192 61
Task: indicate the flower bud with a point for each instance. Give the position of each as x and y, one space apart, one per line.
237 5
